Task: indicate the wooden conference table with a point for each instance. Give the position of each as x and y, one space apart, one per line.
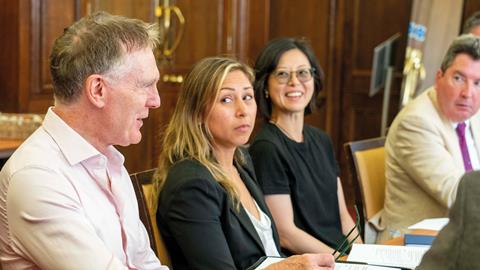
400 241
397 241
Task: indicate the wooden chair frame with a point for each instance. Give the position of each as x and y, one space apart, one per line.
139 180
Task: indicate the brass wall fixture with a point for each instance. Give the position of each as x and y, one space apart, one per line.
171 36
413 73
172 78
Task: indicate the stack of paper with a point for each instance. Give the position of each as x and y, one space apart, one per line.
424 232
383 255
356 266
434 224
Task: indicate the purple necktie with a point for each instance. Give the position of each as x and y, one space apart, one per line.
463 146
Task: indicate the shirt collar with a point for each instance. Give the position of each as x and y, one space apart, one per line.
73 146
467 124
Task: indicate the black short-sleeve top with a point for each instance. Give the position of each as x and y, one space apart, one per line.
308 172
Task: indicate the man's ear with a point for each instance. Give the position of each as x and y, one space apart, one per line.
438 76
95 90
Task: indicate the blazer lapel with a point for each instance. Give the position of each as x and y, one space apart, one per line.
247 224
253 188
452 143
451 138
248 177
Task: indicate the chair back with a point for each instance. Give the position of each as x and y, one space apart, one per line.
366 161
142 184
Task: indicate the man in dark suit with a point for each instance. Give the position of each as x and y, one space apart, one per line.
456 246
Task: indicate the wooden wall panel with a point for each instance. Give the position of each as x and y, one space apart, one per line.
29 28
288 20
140 9
9 64
367 23
204 30
292 21
48 19
366 26
258 28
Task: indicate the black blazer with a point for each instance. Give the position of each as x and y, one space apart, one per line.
457 244
199 223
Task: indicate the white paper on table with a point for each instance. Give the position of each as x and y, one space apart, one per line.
435 224
394 256
351 266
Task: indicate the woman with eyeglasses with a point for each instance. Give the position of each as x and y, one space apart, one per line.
294 162
210 211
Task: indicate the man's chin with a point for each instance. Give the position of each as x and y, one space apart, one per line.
461 117
136 140
131 141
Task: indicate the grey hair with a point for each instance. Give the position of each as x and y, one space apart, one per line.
472 22
465 44
95 44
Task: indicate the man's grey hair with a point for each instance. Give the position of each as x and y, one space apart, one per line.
95 44
472 22
465 44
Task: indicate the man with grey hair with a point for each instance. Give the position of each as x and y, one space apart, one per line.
66 200
472 24
433 141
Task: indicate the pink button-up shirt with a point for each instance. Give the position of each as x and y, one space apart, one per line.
65 205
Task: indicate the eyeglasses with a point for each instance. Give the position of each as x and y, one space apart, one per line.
346 244
284 76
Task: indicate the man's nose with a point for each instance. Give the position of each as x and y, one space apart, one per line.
468 89
153 100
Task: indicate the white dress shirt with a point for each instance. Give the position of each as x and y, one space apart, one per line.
64 205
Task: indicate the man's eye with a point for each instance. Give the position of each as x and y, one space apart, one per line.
457 78
477 84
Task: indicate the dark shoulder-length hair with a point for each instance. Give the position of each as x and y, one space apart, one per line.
267 62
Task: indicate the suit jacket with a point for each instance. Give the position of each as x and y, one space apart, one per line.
423 164
201 226
456 246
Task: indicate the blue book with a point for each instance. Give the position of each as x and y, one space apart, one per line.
426 237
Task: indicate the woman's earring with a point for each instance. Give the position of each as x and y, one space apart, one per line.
266 93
